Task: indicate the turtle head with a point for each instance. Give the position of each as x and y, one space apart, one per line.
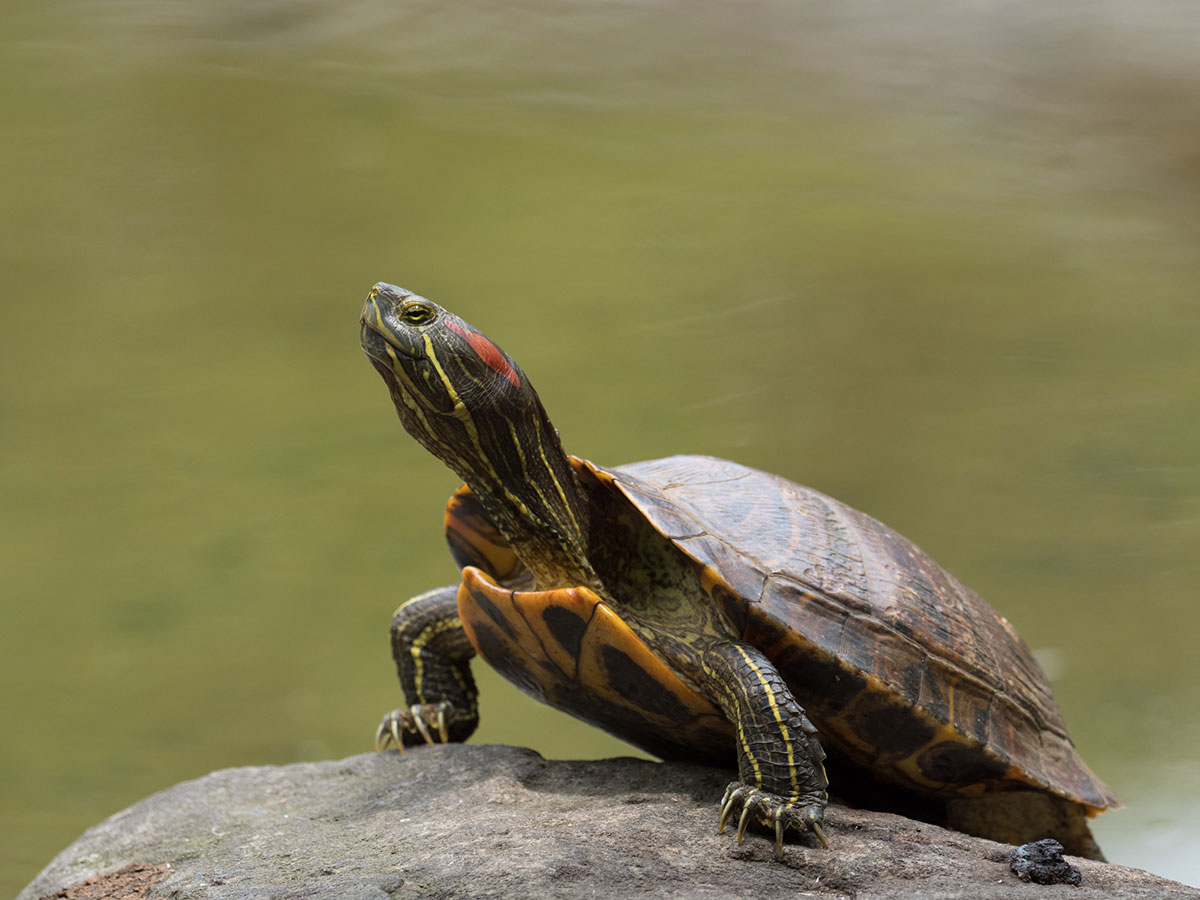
471 406
439 368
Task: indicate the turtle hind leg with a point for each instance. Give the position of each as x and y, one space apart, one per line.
432 657
1019 817
782 782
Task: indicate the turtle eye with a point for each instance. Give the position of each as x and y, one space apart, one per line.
417 313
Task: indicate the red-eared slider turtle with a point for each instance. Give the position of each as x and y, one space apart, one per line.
707 611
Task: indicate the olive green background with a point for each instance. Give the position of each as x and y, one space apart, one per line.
939 262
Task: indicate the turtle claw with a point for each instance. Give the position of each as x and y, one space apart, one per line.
418 721
388 732
815 828
731 798
772 812
743 822
421 726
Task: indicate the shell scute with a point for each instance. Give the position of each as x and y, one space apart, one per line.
475 541
568 649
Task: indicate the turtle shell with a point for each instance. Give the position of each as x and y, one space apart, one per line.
904 670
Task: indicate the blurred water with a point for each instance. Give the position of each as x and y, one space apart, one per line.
937 260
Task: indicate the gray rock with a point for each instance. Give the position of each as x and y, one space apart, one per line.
466 821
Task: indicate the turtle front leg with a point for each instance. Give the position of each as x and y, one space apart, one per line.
781 776
433 658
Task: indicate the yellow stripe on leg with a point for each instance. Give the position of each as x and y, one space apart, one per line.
418 645
784 733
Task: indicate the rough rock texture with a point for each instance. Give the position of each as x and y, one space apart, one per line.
463 821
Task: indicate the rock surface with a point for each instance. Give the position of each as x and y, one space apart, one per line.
465 821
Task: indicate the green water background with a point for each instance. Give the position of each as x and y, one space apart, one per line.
939 262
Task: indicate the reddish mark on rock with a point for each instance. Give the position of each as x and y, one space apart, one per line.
487 351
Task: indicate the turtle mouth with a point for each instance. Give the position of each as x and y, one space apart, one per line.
374 344
377 339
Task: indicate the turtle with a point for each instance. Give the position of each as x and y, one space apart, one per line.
706 611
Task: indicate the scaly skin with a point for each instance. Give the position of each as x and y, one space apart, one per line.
432 657
782 783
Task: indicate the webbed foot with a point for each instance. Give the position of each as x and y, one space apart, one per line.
409 726
772 812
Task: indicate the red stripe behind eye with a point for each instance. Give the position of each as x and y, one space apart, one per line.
487 351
